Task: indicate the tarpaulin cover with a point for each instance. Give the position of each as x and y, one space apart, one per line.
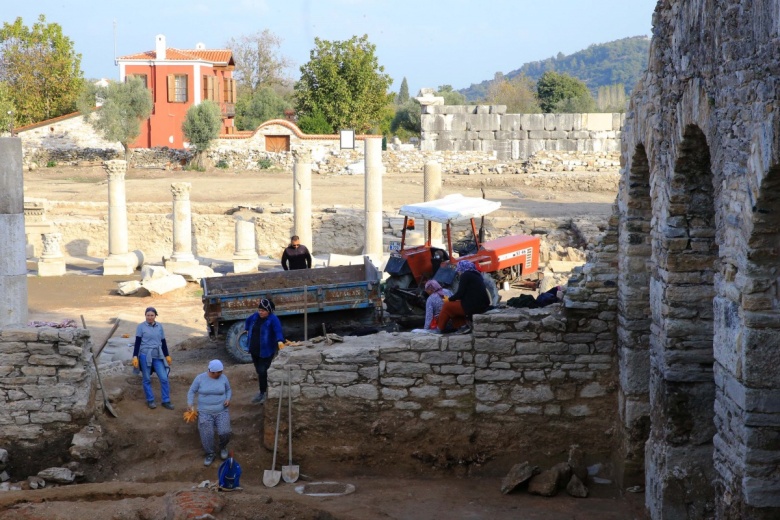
452 208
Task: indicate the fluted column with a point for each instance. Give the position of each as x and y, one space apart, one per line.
119 260
432 191
182 222
302 198
13 265
373 197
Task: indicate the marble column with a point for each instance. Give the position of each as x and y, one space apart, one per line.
52 261
13 264
245 257
119 260
182 227
302 198
373 198
432 191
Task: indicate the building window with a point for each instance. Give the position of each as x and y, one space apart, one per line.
210 90
142 77
177 88
229 94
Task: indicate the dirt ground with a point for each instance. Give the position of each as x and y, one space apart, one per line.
154 455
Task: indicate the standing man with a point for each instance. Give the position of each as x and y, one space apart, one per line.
296 256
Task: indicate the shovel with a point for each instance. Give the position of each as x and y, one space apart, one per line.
290 473
106 404
271 477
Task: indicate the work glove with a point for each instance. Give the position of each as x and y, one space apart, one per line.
446 298
280 345
168 359
135 362
190 415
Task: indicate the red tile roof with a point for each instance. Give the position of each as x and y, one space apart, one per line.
216 56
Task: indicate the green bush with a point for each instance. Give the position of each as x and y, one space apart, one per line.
194 167
223 164
51 163
265 163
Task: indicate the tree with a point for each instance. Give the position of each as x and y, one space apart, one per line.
407 118
451 97
344 81
553 88
201 126
612 98
315 123
517 94
403 93
124 107
253 110
258 61
6 108
41 68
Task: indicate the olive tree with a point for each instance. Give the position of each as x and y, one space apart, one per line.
201 126
124 107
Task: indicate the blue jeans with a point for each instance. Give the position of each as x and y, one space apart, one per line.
158 365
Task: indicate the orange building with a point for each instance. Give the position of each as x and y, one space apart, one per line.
178 80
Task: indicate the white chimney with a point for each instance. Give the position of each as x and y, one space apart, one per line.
159 46
200 46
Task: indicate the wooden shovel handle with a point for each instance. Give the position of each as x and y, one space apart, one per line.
97 352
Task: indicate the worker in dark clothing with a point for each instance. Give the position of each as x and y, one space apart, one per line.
296 256
471 298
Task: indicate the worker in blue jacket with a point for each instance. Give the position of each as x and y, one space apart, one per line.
265 339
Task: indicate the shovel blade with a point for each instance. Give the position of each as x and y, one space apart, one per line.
290 473
271 478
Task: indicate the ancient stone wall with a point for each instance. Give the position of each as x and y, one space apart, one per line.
70 140
698 273
488 128
45 386
526 381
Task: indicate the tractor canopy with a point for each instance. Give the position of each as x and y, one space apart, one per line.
452 208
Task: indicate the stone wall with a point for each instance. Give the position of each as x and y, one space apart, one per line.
70 140
488 128
525 382
699 311
45 389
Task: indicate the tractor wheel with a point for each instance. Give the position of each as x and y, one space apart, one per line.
394 301
492 289
237 344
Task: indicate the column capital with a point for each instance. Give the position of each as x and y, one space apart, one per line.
115 169
181 190
51 245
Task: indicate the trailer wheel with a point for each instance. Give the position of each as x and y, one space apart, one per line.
236 344
394 301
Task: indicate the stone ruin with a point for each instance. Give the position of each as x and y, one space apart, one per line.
698 311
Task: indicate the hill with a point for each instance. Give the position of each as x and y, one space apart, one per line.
619 61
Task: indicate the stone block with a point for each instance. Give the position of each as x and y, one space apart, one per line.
363 391
407 369
12 347
424 392
19 334
397 381
164 285
494 345
458 343
407 405
532 121
351 354
394 394
423 344
488 392
439 358
499 409
593 389
579 410
456 369
334 377
49 417
51 360
402 356
532 394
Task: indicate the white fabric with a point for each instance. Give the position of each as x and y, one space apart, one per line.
215 365
453 208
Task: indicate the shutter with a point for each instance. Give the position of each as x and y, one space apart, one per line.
226 90
205 87
171 88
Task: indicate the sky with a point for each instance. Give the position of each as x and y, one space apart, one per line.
433 43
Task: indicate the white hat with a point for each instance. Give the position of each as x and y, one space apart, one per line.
215 365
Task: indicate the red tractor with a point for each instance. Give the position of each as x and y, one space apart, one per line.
507 259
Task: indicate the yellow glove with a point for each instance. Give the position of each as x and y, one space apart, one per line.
446 298
168 359
135 362
190 415
280 345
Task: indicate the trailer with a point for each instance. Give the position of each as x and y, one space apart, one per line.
304 300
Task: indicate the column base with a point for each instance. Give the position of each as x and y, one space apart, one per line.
123 264
172 264
51 267
245 264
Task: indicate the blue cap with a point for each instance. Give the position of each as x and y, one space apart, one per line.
215 365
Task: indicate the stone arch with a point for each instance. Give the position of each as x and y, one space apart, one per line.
633 328
747 357
679 468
